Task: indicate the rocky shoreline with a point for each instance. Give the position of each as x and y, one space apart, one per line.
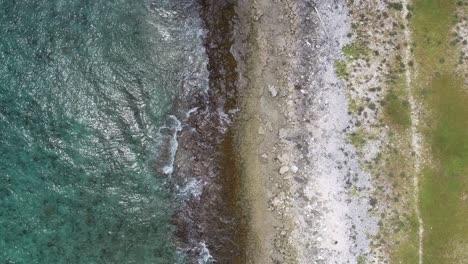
208 220
311 127
312 139
296 159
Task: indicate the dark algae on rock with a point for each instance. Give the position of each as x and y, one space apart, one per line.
209 226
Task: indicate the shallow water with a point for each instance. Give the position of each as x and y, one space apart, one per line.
85 87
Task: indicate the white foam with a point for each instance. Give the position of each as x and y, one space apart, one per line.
168 169
190 112
192 188
204 257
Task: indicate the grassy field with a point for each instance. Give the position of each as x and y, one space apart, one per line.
396 108
443 189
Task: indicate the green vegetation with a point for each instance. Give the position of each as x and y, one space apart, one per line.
401 225
361 260
444 189
396 108
353 106
351 51
341 69
397 6
355 192
358 138
408 249
355 50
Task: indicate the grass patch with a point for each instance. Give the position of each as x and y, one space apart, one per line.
432 26
398 172
396 6
407 251
355 50
351 51
443 189
353 106
358 138
397 109
355 192
361 260
341 69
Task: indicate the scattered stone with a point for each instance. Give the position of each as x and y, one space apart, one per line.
299 180
283 170
269 126
272 90
261 130
284 159
283 133
294 168
276 202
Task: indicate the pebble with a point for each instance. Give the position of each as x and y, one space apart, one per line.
261 130
284 159
283 133
283 170
272 90
294 168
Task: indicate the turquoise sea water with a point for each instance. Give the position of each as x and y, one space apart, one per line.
84 88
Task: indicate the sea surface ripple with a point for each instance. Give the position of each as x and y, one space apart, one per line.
85 88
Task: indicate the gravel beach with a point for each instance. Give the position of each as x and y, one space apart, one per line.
296 161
